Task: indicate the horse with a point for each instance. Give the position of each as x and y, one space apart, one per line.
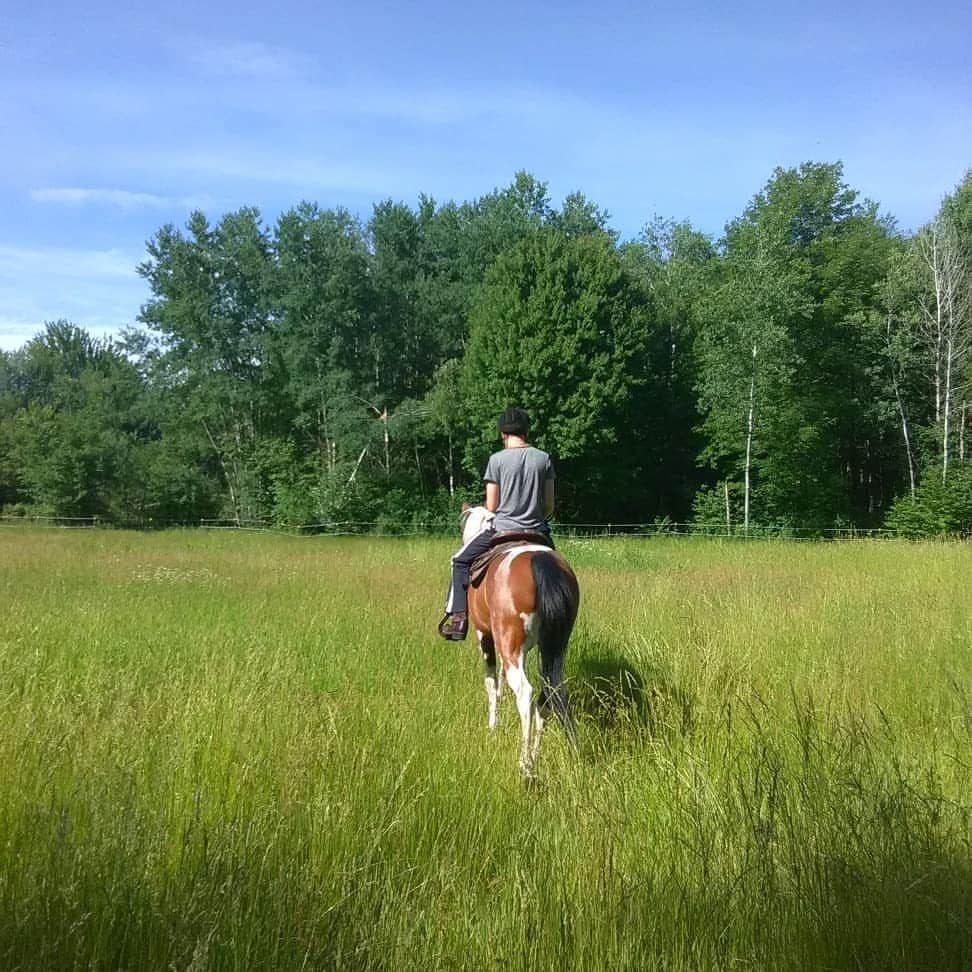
528 596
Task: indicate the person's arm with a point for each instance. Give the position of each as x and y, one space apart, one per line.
492 496
548 496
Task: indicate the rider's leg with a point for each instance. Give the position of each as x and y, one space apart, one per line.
461 562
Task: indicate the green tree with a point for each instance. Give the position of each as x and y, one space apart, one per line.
786 359
446 418
927 302
324 302
578 216
74 420
403 337
559 329
498 220
12 398
211 307
672 263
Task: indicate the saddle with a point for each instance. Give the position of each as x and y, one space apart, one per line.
502 542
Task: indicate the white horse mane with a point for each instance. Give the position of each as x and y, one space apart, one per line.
474 521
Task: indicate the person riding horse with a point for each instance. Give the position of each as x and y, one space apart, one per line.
520 495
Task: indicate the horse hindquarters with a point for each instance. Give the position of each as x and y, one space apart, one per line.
557 598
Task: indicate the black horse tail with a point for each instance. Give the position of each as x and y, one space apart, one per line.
556 608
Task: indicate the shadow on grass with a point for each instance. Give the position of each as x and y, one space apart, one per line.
851 914
622 702
894 912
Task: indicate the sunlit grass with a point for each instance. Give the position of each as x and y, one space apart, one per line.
239 751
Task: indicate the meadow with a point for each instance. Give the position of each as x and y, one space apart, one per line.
224 750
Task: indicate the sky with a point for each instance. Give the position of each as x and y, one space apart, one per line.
116 119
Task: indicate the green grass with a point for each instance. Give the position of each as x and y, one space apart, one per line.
242 751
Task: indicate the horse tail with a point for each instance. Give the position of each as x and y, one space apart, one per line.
557 600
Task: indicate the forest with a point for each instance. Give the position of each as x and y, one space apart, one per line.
809 370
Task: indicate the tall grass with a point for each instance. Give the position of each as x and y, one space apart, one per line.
236 751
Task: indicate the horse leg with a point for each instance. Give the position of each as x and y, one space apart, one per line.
538 722
493 684
523 691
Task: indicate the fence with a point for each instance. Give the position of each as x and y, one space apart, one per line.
451 528
62 521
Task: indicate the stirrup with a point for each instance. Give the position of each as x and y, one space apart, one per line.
454 627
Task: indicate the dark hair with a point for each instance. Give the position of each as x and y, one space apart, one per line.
514 421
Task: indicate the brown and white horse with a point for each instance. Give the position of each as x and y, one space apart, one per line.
528 597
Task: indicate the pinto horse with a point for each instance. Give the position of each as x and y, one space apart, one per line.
528 596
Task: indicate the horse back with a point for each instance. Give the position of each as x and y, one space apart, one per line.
507 589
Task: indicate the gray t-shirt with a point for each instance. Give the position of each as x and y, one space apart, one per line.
520 474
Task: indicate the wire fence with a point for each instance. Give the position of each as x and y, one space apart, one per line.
389 528
12 519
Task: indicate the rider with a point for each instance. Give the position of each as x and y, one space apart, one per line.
520 492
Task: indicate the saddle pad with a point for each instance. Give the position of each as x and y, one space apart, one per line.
480 565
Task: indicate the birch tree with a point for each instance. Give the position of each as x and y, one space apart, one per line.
945 321
785 361
746 368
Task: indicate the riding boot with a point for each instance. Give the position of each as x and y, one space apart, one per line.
454 627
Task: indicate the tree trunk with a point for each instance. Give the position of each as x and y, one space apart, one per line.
939 324
226 473
384 419
907 442
452 477
946 320
962 433
947 407
328 451
749 444
901 412
354 472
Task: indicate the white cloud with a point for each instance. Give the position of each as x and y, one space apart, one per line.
299 169
74 196
62 262
16 332
121 198
413 104
247 59
98 290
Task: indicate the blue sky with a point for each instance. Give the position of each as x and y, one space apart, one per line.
117 118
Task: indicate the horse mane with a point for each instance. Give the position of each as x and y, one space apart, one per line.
475 519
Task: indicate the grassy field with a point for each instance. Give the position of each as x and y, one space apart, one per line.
244 751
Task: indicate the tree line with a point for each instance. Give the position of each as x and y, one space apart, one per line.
808 369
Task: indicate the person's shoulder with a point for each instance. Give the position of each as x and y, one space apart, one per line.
541 460
494 465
